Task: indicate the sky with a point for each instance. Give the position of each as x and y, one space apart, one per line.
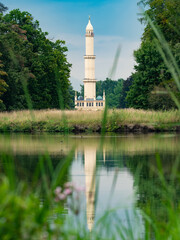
115 24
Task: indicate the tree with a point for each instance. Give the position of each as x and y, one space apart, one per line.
34 64
113 97
72 95
159 98
2 8
3 85
113 90
125 88
165 15
14 55
108 86
150 69
147 75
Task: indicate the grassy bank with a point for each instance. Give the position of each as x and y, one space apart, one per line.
124 120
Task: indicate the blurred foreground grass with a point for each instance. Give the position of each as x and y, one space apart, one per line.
29 210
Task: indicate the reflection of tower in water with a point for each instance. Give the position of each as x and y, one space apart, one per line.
90 169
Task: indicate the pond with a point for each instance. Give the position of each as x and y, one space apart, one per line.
118 171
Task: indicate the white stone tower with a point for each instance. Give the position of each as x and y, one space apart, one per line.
89 101
89 80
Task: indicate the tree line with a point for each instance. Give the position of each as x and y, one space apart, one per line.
34 71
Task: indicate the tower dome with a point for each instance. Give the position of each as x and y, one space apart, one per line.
89 26
99 98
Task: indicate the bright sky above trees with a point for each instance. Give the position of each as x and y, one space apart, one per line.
115 22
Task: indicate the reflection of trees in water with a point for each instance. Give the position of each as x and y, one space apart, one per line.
26 165
148 184
109 160
150 191
26 168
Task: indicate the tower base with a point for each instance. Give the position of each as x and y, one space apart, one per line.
89 104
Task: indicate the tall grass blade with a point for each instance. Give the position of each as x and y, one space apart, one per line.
61 169
10 171
175 169
44 175
115 63
130 228
112 187
174 98
27 96
103 125
49 164
24 77
59 89
166 52
61 100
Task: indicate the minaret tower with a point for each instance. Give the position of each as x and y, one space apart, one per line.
89 102
89 80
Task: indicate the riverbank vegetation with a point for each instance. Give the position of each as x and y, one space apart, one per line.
124 120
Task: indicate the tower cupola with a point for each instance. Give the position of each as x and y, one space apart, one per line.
89 27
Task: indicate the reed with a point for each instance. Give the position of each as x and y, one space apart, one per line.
84 121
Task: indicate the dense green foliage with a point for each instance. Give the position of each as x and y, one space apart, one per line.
152 76
116 91
3 75
37 68
113 91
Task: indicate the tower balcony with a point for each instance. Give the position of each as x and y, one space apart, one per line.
89 34
89 56
89 80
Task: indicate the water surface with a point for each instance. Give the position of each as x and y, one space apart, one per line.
107 169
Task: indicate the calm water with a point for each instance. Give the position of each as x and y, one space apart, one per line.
96 166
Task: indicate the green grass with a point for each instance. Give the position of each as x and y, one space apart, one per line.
84 121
